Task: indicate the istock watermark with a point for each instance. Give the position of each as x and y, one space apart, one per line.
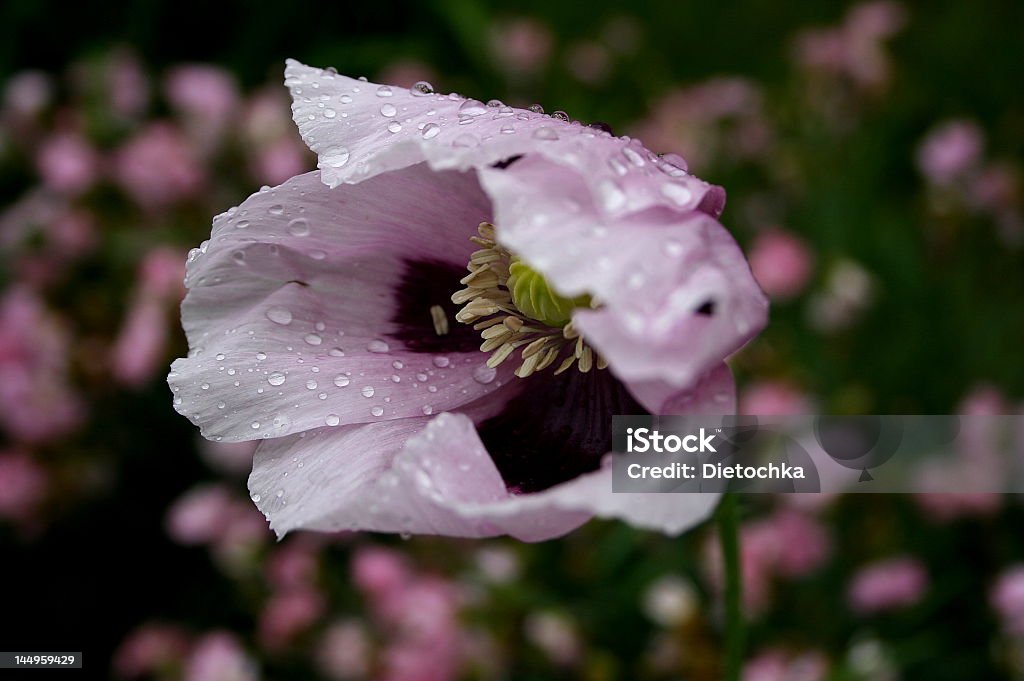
907 454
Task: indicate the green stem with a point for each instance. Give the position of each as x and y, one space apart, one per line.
735 628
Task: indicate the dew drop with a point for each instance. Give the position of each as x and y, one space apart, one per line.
484 374
261 356
441 362
330 113
311 384
341 380
431 130
394 126
280 315
472 107
336 352
427 410
313 339
276 378
332 419
545 133
421 89
276 209
378 346
242 224
298 227
335 157
384 91
388 110
368 391
255 425
377 411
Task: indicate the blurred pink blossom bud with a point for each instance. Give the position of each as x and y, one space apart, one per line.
279 161
804 544
379 571
1007 599
157 167
207 92
219 656
498 564
774 398
266 117
343 653
200 516
887 585
141 342
27 94
875 21
521 46
127 85
292 565
589 61
781 263
67 163
288 614
23 485
161 274
36 402
780 665
950 151
149 649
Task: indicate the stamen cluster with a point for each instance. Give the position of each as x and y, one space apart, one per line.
489 306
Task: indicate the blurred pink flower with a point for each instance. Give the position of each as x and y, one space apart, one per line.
589 61
27 94
343 653
158 167
206 92
379 571
150 649
950 151
719 120
774 398
1007 599
219 656
280 160
781 262
781 665
127 83
67 163
293 565
23 486
200 516
521 46
887 585
554 634
37 403
287 614
804 543
145 333
854 50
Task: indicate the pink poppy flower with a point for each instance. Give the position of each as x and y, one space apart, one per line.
321 320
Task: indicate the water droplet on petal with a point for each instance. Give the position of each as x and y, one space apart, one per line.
330 113
377 411
276 378
336 352
427 410
484 374
261 356
388 110
255 425
472 107
536 108
313 339
242 224
332 419
422 88
560 115
276 209
367 391
280 315
377 345
311 384
341 380
431 130
441 362
545 133
384 91
298 227
335 157
394 126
